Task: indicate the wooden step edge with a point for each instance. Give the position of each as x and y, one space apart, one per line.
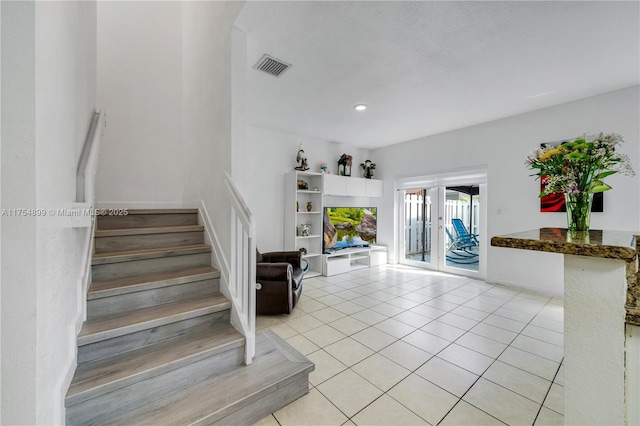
201 398
135 326
169 229
79 392
102 289
160 211
152 253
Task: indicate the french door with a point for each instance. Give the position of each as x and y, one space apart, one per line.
441 227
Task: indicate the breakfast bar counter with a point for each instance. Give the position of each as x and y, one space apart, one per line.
601 319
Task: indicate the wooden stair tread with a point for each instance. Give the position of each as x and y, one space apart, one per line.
107 288
99 329
149 253
161 211
105 375
275 363
116 232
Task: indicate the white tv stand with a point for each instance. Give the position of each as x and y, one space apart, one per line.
351 259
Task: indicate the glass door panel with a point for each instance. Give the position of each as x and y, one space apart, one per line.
418 244
461 228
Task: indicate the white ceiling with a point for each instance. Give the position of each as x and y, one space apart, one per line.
428 67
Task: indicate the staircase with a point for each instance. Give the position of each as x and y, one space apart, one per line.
158 346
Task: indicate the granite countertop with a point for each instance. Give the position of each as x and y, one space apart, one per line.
619 245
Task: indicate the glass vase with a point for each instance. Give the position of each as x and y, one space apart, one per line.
578 210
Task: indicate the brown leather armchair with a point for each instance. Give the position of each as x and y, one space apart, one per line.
279 278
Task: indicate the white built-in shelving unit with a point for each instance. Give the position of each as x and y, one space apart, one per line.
296 214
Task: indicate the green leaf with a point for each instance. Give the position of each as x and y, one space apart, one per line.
606 173
601 188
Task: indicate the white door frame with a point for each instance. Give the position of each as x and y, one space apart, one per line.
476 176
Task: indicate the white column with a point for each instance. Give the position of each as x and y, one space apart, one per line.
594 346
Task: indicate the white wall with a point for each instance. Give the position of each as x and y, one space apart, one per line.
271 154
512 194
52 60
140 85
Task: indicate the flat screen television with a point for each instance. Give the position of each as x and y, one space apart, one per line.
345 227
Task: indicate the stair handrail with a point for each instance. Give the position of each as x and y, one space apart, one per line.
88 164
242 267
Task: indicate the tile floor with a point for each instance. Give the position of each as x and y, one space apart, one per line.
395 345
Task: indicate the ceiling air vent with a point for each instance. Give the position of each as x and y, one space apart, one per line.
272 66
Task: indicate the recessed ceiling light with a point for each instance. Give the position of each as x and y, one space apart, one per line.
360 107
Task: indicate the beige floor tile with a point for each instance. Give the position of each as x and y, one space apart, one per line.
519 381
495 333
303 323
302 344
448 376
385 411
395 328
412 319
331 299
349 351
430 312
263 321
349 392
267 421
311 409
387 310
348 294
348 325
403 303
310 306
326 367
505 323
324 335
467 312
547 417
526 361
538 347
466 358
381 371
283 330
545 335
369 317
555 399
559 379
314 292
501 403
423 398
328 315
374 338
406 355
417 297
442 330
458 321
468 415
427 342
348 307
549 324
507 312
367 301
481 306
481 344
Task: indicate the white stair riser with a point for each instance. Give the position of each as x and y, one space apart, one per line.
132 341
133 268
143 299
102 407
146 220
144 241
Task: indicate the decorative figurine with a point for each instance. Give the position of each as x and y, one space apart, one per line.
303 251
302 184
367 169
324 168
297 206
344 165
302 160
309 206
306 229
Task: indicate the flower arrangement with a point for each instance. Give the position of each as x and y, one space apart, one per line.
324 168
577 169
580 166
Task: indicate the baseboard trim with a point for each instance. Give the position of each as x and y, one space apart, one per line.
532 289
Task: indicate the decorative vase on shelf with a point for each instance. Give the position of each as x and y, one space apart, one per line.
578 210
